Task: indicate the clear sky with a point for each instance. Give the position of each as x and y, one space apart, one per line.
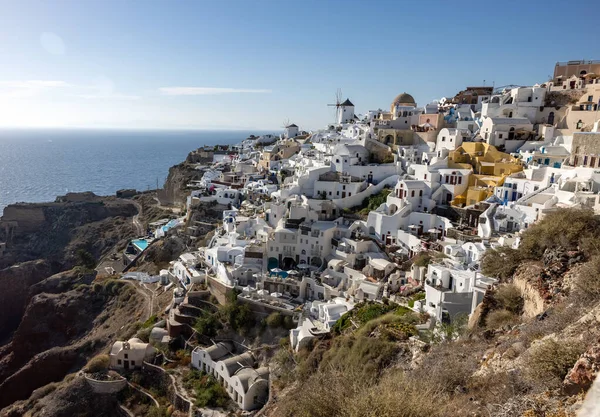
253 64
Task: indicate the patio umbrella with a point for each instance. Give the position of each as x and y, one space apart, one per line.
303 266
276 294
276 271
293 272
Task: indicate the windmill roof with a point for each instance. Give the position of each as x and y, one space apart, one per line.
347 103
292 125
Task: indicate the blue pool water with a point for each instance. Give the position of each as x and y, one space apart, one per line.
141 244
172 223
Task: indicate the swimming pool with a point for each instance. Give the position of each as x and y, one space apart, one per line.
141 244
172 223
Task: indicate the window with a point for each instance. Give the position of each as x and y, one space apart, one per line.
412 193
459 180
443 138
118 361
420 193
132 363
126 356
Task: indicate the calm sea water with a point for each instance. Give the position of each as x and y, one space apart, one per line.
38 165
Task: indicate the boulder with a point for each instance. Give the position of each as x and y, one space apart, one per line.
583 373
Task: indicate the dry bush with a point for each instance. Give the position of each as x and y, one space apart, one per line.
501 263
450 365
509 297
587 283
565 228
395 395
497 388
349 394
550 361
365 354
98 363
500 318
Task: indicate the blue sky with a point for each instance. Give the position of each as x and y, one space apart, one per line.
254 64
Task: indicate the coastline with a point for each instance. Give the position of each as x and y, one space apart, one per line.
38 165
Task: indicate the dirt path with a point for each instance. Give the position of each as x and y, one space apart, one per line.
139 227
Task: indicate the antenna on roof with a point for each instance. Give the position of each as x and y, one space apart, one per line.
338 103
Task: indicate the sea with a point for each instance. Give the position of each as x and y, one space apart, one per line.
37 165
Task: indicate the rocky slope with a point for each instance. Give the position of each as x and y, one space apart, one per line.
66 322
531 349
174 191
70 398
55 231
15 283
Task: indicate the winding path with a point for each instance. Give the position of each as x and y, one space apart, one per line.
138 226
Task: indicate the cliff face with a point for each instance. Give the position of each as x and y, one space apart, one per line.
15 283
65 323
56 230
174 191
71 398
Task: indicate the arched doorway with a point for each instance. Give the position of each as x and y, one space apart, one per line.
388 139
288 263
316 262
551 118
511 133
273 263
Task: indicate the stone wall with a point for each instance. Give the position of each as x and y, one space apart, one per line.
167 383
263 309
106 387
218 289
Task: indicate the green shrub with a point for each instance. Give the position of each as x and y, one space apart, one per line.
208 392
85 259
499 318
150 322
416 297
587 281
275 320
509 297
552 359
501 263
564 228
422 259
98 363
208 325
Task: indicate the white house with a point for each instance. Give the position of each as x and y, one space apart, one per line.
247 386
450 138
130 354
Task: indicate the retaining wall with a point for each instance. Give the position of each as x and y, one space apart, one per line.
167 383
106 387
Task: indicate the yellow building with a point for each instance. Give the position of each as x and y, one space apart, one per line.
490 169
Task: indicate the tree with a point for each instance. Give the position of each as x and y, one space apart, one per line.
85 259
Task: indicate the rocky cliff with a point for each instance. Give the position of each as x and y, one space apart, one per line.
174 191
55 231
66 322
15 286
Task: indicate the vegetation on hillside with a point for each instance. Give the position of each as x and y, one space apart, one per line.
506 366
